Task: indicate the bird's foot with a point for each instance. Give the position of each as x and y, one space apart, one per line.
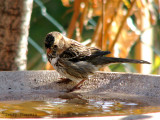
64 81
74 88
78 86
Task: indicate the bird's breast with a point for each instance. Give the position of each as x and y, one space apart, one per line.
54 61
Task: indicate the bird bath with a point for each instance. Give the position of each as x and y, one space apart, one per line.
36 94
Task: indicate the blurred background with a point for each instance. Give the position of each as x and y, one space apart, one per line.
127 28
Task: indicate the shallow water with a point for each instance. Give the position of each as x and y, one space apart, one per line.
50 105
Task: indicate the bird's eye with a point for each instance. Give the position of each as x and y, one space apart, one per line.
49 41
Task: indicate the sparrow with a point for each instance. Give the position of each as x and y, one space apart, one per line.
76 61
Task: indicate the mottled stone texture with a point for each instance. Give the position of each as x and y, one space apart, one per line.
14 25
100 83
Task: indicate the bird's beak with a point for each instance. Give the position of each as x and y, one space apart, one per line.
48 50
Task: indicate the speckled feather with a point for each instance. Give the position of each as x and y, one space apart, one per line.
76 61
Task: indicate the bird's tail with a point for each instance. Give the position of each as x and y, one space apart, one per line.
108 60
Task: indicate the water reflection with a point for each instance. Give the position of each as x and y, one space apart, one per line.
53 105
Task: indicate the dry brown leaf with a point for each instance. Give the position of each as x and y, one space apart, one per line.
121 26
109 17
97 34
83 18
75 16
126 40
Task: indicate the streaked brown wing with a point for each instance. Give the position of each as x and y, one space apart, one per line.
78 52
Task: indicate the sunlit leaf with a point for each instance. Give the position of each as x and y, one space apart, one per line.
127 3
66 3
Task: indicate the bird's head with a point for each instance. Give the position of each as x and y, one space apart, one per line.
55 42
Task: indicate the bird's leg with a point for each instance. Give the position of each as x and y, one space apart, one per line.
64 80
77 86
